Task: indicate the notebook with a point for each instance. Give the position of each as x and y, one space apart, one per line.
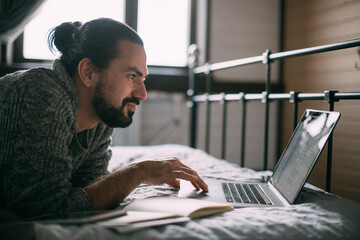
290 173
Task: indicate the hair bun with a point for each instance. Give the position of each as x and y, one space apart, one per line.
64 34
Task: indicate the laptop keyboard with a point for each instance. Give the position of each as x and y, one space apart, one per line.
245 193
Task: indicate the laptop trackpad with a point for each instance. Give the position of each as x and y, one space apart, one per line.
215 192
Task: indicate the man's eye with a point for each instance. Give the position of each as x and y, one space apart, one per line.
132 76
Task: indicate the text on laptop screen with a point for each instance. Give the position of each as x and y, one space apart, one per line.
306 144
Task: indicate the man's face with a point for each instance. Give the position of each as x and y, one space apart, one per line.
120 87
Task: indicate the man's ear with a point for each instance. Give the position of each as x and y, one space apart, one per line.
87 72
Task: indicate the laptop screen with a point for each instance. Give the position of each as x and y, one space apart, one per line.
302 151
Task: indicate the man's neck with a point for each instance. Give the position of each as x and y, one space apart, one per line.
86 117
83 122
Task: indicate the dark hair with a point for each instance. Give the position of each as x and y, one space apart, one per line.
97 40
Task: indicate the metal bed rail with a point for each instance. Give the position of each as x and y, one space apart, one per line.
265 97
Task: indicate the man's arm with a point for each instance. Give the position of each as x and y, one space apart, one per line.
110 190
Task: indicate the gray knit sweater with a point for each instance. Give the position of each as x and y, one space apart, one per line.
44 164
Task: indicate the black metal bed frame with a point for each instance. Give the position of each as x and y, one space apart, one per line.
265 97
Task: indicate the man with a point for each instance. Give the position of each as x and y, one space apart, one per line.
55 125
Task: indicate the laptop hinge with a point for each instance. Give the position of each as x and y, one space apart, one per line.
278 194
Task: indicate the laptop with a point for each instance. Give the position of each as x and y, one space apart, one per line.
290 173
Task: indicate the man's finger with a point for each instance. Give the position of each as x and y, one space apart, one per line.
193 179
202 185
185 176
174 183
195 185
199 182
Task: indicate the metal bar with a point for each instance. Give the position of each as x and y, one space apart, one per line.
311 96
256 96
207 126
346 95
193 107
243 130
280 55
224 121
329 158
295 100
266 133
318 49
131 16
229 64
295 114
279 96
208 109
275 96
266 61
193 22
207 11
329 96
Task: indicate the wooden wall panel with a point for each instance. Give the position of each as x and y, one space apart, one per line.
240 29
317 22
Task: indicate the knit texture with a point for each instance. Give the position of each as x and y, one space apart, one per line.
44 164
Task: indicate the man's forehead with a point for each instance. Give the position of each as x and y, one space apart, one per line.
133 57
126 47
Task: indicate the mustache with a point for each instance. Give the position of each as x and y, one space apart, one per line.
133 100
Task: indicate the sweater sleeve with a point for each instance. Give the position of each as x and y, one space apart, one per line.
37 164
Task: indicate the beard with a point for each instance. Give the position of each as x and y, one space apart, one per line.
110 115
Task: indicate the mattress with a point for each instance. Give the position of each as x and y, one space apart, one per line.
315 214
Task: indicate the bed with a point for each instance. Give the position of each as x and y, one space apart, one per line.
316 213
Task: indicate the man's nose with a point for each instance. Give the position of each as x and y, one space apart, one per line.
140 92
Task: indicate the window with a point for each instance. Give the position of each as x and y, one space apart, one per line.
55 12
162 24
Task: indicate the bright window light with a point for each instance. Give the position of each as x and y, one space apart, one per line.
163 25
55 12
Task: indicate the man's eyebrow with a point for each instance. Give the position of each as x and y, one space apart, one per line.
139 73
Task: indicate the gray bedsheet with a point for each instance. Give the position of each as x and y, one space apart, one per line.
316 213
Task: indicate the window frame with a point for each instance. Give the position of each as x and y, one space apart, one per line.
131 16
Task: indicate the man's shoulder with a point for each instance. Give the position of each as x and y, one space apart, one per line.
38 91
42 82
28 78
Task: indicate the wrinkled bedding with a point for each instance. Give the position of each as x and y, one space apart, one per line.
316 214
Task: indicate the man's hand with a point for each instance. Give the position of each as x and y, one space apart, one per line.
108 191
168 171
